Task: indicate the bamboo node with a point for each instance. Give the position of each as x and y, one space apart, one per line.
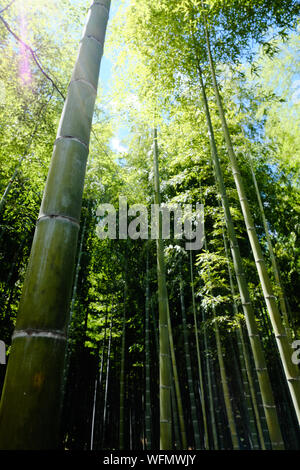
86 82
70 137
89 36
100 4
59 216
51 334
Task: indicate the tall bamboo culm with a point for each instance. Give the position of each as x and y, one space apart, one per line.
212 408
164 303
106 384
188 363
224 381
282 298
202 398
164 345
148 433
98 386
177 386
122 375
30 406
71 314
248 385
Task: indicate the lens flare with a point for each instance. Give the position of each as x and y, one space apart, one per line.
24 64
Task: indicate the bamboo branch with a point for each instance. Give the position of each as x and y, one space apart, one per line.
7 6
33 54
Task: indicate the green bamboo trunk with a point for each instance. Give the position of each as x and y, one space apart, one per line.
77 270
177 386
163 286
175 419
98 387
245 369
106 385
163 299
225 388
188 363
246 359
154 324
282 298
218 406
226 393
122 378
259 358
71 314
164 345
291 370
30 406
209 384
94 413
147 363
204 416
241 414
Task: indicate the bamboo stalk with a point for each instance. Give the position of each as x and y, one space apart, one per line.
218 406
226 393
245 367
98 384
164 345
106 385
252 388
282 298
147 363
175 420
188 363
71 314
206 441
164 302
212 408
30 406
122 376
177 385
224 382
